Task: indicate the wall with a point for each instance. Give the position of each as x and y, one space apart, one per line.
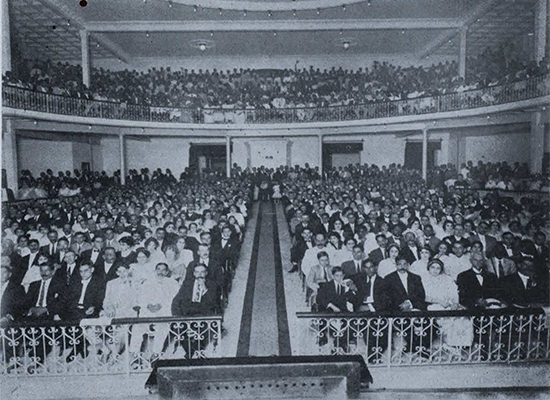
110 154
510 147
346 61
38 155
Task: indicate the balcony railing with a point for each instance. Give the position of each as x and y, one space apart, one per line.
436 337
118 346
25 99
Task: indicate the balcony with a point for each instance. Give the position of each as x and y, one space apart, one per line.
23 99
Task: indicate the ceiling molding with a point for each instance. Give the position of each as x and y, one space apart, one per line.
267 5
62 8
477 12
274 25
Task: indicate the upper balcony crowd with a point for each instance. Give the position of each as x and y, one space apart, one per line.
247 89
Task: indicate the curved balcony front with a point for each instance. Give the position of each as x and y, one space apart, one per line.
33 103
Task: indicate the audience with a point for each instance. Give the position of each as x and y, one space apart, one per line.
236 91
117 254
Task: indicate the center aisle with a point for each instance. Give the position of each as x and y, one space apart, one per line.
264 327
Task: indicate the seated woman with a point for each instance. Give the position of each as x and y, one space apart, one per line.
442 294
175 262
207 222
389 265
143 268
420 267
126 254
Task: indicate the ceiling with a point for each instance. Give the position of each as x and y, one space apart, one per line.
164 28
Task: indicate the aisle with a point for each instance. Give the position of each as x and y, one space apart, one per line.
264 327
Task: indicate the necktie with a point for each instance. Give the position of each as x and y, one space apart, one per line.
42 294
68 274
500 270
338 290
358 267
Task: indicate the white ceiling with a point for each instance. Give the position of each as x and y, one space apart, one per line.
51 28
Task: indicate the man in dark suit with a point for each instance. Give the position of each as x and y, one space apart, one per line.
372 298
69 272
13 294
24 263
228 247
106 268
215 275
476 285
51 249
337 295
95 254
305 224
44 302
197 296
522 288
487 241
190 242
511 244
83 299
430 239
351 228
410 251
379 254
298 250
353 267
405 290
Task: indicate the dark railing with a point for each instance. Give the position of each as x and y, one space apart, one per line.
25 99
430 337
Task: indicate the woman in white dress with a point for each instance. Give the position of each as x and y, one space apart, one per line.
207 222
344 254
334 245
442 294
420 267
142 269
175 263
389 265
234 212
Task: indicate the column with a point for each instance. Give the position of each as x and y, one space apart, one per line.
122 160
541 28
536 148
228 156
320 158
462 54
248 155
6 37
85 48
425 154
289 144
9 154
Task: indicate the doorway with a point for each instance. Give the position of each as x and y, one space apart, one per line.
341 154
207 158
413 154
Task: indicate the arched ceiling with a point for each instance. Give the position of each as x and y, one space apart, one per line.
166 28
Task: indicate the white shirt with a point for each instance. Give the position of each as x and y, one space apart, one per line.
44 286
70 268
403 278
199 289
83 292
107 266
157 290
478 276
524 279
95 255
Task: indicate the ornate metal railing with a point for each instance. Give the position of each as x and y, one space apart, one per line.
437 337
20 98
535 196
118 346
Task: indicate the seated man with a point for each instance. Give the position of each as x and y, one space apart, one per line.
196 296
319 273
154 299
83 299
523 288
337 295
476 285
353 267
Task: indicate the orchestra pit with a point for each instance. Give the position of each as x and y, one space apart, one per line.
275 199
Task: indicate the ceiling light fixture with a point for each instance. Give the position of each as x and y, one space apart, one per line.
368 3
343 7
345 42
68 23
147 34
244 13
169 4
195 8
202 44
341 31
211 33
294 12
402 31
318 11
274 33
202 47
269 14
220 11
346 45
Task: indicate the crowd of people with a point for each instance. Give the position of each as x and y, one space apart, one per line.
380 240
152 248
488 175
270 89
